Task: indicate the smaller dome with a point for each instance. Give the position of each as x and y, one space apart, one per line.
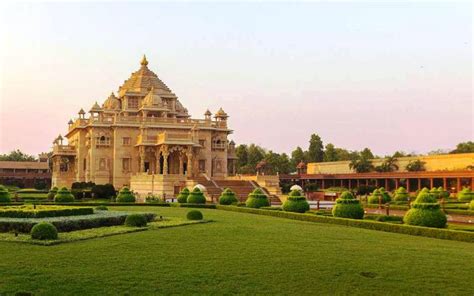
296 187
70 121
60 138
152 100
200 187
112 102
95 108
81 112
208 113
301 165
221 114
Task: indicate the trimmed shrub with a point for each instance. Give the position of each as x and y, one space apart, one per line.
101 208
374 197
183 195
257 199
42 211
63 196
465 195
125 195
103 191
401 194
348 207
196 197
435 192
227 197
136 220
296 202
443 193
44 231
52 192
426 212
471 205
194 215
4 195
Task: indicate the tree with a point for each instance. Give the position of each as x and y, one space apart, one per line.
297 156
315 150
361 163
242 155
464 147
388 165
17 155
415 166
367 154
330 153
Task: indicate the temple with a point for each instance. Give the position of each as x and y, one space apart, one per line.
143 137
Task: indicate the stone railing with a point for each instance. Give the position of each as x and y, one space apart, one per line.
64 150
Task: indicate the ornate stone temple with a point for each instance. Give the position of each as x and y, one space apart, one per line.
144 138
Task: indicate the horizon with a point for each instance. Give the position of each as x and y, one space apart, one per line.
340 70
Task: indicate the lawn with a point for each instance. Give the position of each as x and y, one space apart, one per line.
241 253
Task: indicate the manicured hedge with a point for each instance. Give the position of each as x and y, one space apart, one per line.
227 197
465 195
63 196
4 195
44 231
257 199
189 205
183 195
196 197
194 215
348 207
125 195
367 224
52 192
136 220
43 211
401 194
67 224
425 211
296 202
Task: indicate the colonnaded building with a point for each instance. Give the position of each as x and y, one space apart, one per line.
144 138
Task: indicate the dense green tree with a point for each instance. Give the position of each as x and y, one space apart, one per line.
367 154
17 155
415 166
361 163
297 156
330 153
388 165
315 150
464 147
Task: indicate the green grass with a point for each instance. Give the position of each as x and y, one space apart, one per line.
241 253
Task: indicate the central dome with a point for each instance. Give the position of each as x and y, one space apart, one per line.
143 80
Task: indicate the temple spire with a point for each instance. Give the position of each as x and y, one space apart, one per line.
144 61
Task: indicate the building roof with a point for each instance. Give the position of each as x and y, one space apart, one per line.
24 165
143 80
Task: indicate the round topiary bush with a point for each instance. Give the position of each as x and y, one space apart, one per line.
63 196
348 207
257 199
183 195
374 197
401 194
52 192
465 195
227 197
136 220
296 202
101 208
44 231
471 205
196 197
425 211
125 195
194 215
4 195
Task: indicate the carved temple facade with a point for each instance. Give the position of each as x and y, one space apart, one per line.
143 135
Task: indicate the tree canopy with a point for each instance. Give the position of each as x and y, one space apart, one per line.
17 155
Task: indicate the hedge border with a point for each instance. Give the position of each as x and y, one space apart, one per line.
373 225
44 213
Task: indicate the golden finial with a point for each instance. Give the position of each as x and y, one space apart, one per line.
144 62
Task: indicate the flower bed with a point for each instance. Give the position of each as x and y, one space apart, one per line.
69 223
41 211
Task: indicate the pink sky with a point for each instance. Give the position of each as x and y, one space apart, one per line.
389 77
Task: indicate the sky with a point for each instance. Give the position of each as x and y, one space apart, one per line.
389 76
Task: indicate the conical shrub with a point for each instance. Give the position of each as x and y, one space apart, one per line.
257 199
435 192
425 211
4 195
196 197
348 207
374 197
401 194
183 195
465 195
227 197
52 192
296 202
443 193
63 196
125 195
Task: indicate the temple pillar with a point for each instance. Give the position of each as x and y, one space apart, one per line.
180 165
165 162
189 163
386 184
408 185
397 183
445 184
158 166
142 159
431 182
458 185
419 184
